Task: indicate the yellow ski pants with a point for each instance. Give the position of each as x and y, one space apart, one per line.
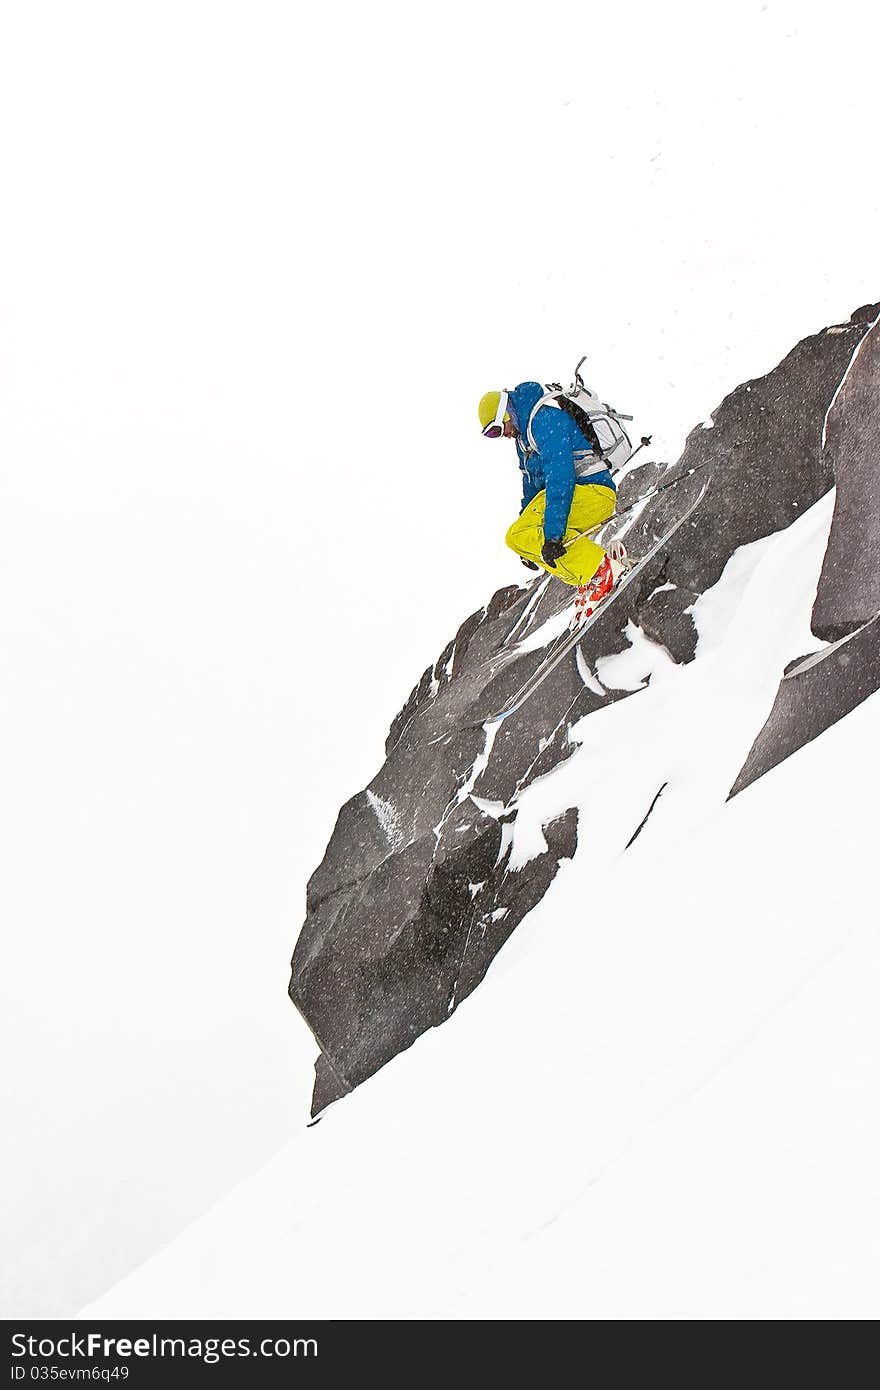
590 506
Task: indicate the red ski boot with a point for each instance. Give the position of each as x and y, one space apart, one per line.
590 595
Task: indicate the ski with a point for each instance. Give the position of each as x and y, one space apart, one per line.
571 639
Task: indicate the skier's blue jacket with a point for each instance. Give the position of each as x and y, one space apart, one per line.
557 438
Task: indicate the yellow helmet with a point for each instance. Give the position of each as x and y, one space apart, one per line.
492 411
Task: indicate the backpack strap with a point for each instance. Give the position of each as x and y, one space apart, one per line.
549 398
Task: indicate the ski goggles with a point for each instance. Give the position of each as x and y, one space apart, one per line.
495 428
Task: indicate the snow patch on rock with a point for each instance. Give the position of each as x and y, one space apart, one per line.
388 819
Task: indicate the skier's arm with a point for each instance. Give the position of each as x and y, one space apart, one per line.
530 488
530 485
552 437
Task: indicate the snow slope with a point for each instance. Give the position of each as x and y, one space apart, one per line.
659 1103
261 260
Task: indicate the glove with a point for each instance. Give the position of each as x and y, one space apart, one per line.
551 551
530 565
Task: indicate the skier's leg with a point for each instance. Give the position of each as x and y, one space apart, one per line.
590 507
526 535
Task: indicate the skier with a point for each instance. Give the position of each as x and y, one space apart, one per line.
567 491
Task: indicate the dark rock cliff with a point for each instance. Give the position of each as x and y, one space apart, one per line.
825 686
413 898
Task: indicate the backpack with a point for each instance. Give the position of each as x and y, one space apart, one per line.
599 422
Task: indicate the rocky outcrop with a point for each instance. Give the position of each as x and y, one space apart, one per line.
823 687
849 588
414 895
764 451
813 695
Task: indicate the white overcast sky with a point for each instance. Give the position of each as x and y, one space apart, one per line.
257 263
